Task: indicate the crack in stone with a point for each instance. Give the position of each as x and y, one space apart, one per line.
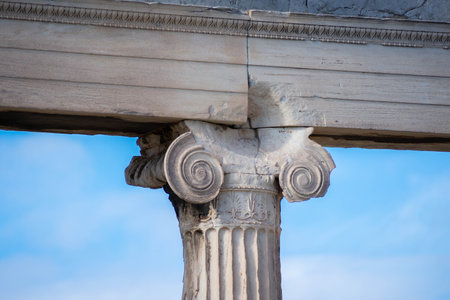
411 9
403 14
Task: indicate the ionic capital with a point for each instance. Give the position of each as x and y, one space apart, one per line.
193 158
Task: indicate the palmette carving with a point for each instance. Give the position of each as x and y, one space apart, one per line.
236 206
249 207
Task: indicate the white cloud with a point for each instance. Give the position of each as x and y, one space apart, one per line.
401 250
46 205
19 271
421 221
73 224
25 278
333 277
416 222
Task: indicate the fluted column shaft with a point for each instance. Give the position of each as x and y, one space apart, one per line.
231 244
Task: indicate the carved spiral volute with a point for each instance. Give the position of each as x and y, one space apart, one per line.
306 178
192 173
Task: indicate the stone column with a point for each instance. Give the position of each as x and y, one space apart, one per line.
226 185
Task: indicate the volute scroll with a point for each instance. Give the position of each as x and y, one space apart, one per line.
307 178
193 173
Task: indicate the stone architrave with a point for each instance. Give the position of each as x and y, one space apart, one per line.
226 186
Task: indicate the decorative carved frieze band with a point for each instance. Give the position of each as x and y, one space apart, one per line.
121 18
238 204
349 34
227 25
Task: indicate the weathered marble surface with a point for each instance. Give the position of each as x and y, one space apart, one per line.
226 185
128 68
433 10
193 157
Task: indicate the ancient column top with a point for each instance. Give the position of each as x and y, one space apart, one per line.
226 185
192 157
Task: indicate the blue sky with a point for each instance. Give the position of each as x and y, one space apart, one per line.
70 227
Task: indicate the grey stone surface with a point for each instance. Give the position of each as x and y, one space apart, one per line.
431 10
437 10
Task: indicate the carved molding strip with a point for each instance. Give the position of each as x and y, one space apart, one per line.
349 35
121 18
223 26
